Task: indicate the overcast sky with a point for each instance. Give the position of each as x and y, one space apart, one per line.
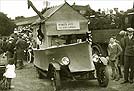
15 8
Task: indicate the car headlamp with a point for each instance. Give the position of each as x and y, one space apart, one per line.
65 61
95 58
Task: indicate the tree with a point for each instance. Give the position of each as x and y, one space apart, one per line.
6 25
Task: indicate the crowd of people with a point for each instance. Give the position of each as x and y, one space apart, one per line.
122 53
113 19
17 46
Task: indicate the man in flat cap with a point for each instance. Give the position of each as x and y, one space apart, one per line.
129 56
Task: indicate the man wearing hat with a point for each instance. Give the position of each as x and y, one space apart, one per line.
129 56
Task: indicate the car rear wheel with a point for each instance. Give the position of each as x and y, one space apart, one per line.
103 76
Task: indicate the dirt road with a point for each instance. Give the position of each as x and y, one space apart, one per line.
27 80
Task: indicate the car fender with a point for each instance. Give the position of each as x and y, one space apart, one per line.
104 60
55 65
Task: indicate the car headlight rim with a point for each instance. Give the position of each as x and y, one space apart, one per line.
65 61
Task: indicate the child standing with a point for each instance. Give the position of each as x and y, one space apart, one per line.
114 50
10 72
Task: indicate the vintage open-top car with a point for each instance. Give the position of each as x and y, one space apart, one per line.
64 48
71 62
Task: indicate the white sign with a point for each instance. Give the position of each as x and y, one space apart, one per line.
68 25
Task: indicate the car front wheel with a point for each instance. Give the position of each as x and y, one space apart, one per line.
103 76
56 81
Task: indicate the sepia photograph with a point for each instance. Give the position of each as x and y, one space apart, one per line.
66 45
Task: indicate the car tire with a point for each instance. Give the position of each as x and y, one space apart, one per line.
56 81
103 76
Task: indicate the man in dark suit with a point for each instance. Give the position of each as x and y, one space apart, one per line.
21 45
129 56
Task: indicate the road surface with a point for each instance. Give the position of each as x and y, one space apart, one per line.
27 80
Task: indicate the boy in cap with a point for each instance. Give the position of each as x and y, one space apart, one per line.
114 50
